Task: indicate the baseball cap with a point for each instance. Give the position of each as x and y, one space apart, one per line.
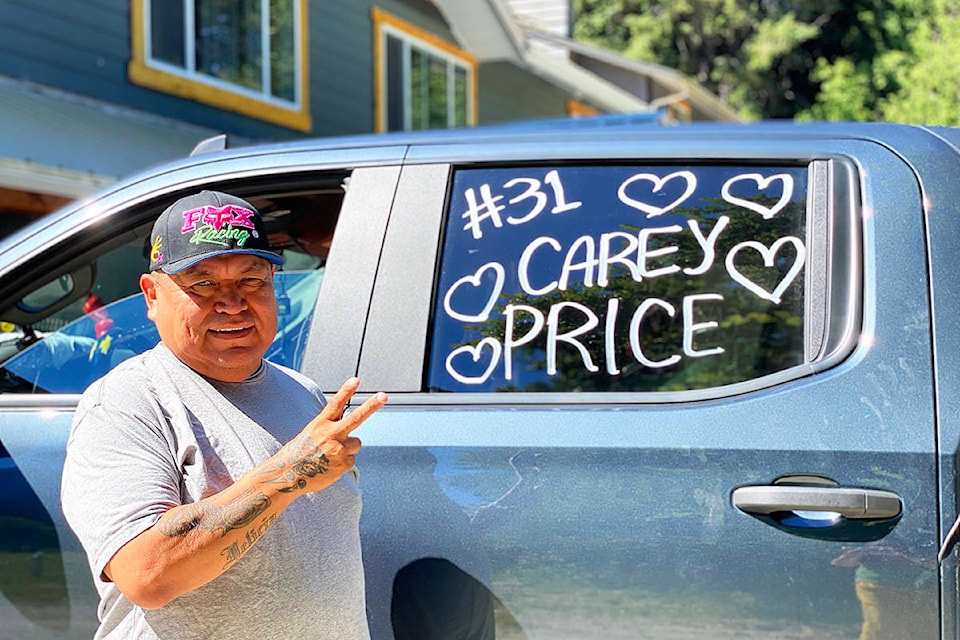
205 225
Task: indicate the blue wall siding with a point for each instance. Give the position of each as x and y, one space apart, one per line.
84 48
510 93
79 47
341 59
341 67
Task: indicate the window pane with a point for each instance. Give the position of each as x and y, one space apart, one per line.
438 93
70 348
228 41
394 89
419 90
460 96
626 278
282 50
166 32
67 349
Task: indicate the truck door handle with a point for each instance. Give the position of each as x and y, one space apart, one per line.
817 507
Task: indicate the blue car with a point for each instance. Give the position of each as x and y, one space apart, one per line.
645 382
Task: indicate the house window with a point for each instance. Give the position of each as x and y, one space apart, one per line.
423 82
247 56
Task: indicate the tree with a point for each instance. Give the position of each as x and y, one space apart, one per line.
929 90
823 59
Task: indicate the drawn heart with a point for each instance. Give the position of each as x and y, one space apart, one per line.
476 280
762 183
658 184
768 254
476 353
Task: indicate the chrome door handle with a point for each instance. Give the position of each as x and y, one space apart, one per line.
847 501
817 507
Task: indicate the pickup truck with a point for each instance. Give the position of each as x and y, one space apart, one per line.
645 381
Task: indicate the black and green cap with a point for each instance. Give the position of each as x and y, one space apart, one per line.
205 225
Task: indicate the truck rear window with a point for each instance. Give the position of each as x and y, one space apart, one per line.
621 278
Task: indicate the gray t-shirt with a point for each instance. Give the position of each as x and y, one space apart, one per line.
153 434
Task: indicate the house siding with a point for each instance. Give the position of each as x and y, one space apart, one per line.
508 92
78 47
84 48
341 59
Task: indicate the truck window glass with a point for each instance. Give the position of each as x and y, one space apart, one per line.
63 351
620 278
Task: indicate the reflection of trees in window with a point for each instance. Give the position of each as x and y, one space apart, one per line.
419 87
460 97
282 52
424 89
438 93
229 39
430 90
758 337
166 32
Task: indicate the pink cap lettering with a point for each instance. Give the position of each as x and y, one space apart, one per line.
216 217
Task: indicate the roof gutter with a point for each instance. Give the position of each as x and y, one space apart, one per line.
681 87
32 177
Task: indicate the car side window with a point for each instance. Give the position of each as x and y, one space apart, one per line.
71 330
625 278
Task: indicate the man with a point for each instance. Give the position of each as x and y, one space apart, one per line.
207 509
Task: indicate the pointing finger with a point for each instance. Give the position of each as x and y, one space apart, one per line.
338 403
356 417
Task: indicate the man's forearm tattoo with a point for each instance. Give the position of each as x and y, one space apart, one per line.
303 460
235 550
215 518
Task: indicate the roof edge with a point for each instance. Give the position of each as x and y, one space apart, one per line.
670 78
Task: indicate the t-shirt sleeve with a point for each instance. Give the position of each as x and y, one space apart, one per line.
119 477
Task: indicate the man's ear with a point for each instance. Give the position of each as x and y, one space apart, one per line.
148 284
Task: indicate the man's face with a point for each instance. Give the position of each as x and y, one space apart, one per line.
218 317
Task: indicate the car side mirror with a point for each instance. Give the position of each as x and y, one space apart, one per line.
51 296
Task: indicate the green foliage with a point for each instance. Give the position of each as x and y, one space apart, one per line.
844 92
860 60
930 86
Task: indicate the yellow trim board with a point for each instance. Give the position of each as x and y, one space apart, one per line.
141 74
577 109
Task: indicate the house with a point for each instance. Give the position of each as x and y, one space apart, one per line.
92 91
546 26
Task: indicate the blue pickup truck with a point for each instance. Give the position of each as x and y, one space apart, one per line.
645 382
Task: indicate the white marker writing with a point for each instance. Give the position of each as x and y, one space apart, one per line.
646 253
509 341
523 267
658 184
605 259
708 244
762 183
476 212
690 327
769 255
636 321
553 335
571 263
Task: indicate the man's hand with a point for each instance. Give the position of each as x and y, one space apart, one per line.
194 543
325 449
